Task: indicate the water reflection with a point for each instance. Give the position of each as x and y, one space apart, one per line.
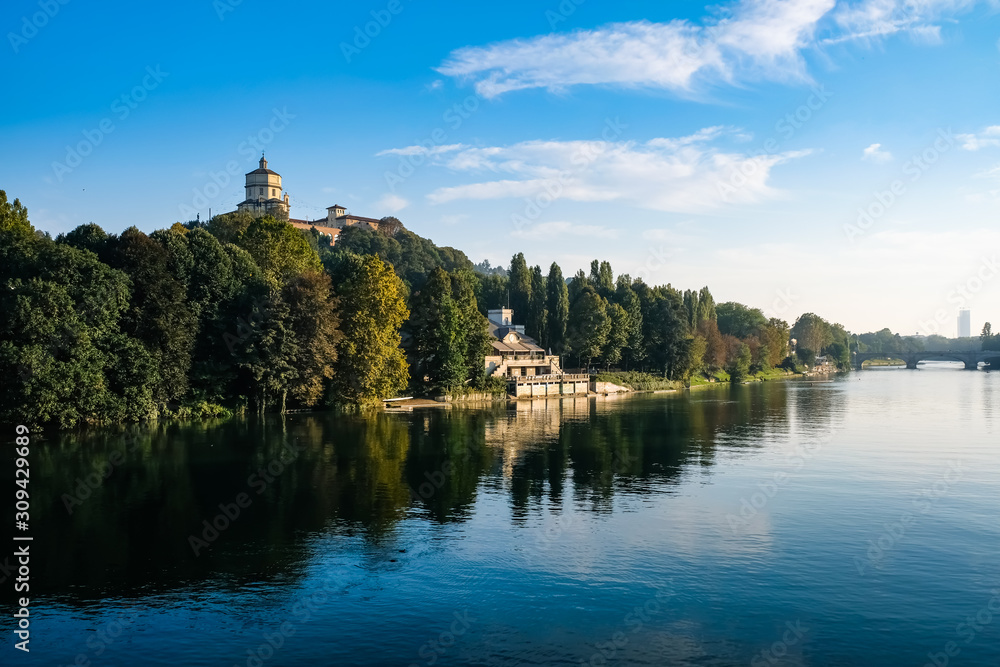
125 509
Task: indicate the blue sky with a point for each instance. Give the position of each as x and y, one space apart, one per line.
734 145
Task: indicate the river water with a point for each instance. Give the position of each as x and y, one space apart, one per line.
850 521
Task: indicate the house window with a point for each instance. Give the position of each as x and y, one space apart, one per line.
272 192
261 191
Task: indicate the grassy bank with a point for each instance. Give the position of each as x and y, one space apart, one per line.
637 381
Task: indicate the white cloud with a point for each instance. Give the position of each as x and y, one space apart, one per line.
761 38
989 137
875 19
874 153
544 231
685 174
420 150
392 203
755 40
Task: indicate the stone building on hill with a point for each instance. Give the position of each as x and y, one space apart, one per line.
264 196
263 193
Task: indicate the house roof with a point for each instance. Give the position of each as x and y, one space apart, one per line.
359 218
519 346
263 170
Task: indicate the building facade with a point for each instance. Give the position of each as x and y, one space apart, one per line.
263 193
264 196
528 369
964 323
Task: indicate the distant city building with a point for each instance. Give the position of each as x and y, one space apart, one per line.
964 323
264 197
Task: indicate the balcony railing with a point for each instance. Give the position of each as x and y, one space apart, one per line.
555 377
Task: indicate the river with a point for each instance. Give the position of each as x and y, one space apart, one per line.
849 521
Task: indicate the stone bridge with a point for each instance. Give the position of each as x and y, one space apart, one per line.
970 359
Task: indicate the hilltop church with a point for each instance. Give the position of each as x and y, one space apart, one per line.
264 196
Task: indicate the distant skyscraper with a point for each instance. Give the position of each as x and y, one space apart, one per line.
964 323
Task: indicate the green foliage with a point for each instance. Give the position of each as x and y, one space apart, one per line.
990 341
437 338
706 306
370 363
617 338
806 356
14 217
63 354
738 320
589 325
637 381
537 319
739 368
519 283
626 297
411 256
158 314
557 306
278 249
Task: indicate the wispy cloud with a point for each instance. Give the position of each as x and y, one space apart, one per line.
392 203
665 174
875 19
988 138
874 153
553 230
420 150
762 38
755 40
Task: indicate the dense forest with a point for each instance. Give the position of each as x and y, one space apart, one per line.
242 314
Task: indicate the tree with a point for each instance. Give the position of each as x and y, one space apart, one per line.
557 305
86 237
774 342
389 226
313 324
279 250
691 305
738 320
706 305
473 323
812 332
537 317
602 278
626 297
987 332
715 348
437 341
158 315
370 364
519 284
665 334
14 217
589 325
739 368
806 355
617 335
493 291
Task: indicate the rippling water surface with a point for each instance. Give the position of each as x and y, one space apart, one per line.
844 522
